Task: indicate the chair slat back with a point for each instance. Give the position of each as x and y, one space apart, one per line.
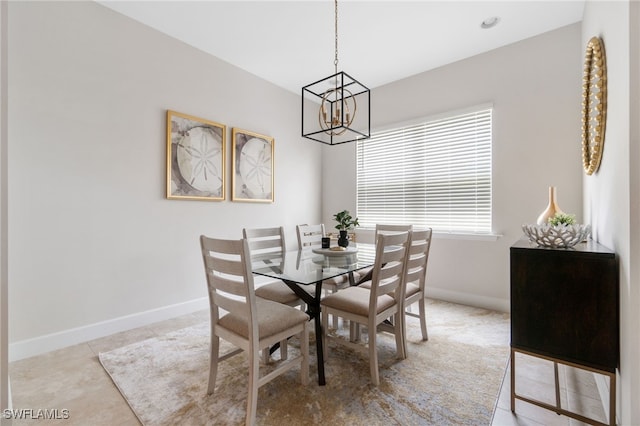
265 240
382 228
392 252
229 278
419 257
310 236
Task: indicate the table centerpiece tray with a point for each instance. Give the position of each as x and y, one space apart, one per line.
335 252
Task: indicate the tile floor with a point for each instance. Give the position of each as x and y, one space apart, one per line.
73 379
535 380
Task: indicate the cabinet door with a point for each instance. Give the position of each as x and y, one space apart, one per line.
564 304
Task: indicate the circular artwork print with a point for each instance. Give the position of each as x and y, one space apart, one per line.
199 154
255 167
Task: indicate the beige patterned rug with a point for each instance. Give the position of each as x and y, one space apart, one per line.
452 379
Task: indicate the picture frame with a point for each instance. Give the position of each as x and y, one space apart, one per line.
196 158
252 174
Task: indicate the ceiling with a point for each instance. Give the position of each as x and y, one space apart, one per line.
292 43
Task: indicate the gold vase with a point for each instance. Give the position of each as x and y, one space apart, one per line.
552 208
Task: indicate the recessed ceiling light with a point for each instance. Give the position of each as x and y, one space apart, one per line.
490 22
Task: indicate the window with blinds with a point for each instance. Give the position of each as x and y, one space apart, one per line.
436 173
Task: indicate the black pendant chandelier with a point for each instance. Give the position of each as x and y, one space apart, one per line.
336 109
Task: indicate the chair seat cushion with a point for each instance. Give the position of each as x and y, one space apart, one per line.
273 317
356 300
364 274
337 281
411 289
341 281
366 284
280 292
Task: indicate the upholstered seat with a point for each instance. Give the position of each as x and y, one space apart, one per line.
356 300
411 289
279 292
272 319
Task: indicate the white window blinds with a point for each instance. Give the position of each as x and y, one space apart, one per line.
436 174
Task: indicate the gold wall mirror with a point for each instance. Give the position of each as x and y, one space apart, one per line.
594 105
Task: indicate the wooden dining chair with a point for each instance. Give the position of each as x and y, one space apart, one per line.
372 306
250 323
268 242
381 228
416 277
310 237
265 241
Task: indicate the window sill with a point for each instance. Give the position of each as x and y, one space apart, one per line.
440 235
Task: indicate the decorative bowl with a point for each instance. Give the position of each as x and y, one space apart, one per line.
558 236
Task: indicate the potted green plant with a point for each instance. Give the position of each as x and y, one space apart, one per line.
346 222
562 219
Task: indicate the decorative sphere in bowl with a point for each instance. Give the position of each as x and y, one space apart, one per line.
557 236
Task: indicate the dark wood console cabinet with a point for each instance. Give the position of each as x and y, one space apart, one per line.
565 308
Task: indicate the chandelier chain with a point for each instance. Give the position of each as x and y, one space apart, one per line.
335 62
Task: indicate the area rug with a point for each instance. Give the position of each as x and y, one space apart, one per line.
454 378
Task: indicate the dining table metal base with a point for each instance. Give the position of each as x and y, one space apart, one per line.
313 310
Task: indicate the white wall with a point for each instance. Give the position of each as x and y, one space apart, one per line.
612 195
93 242
535 88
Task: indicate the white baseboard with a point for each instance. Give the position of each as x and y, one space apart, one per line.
500 305
50 342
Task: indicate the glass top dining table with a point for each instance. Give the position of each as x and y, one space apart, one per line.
308 266
305 267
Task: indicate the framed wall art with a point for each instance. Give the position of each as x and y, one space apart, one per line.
195 158
253 167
